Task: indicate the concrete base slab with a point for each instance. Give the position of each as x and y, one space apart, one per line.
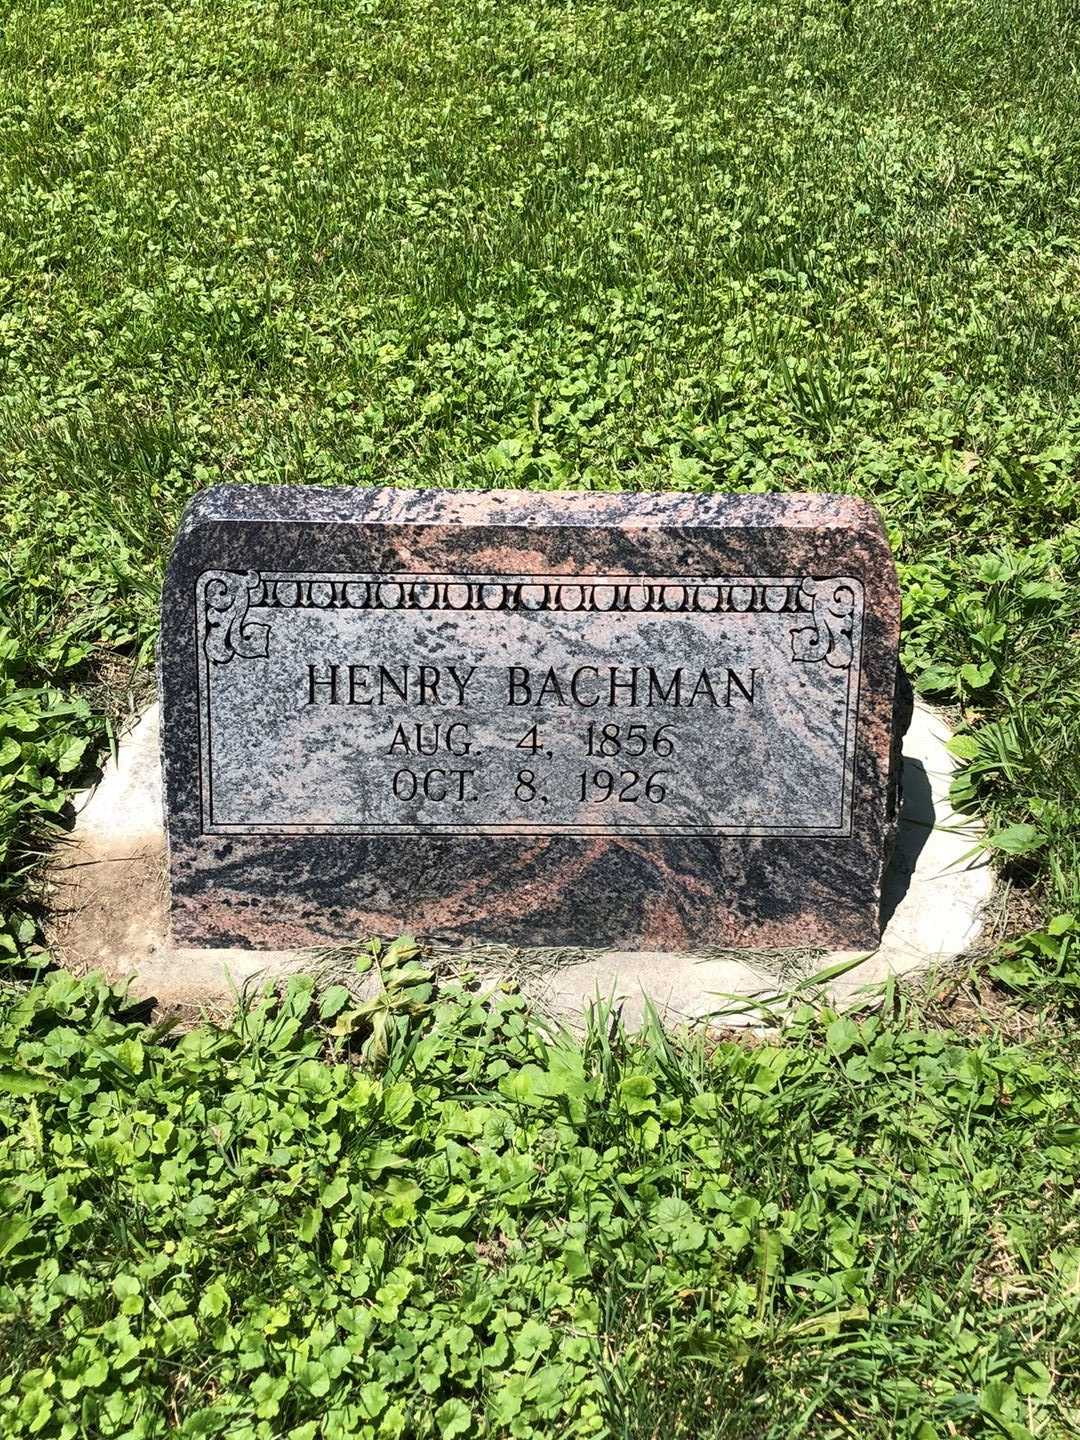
109 903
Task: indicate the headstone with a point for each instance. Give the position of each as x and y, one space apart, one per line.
644 721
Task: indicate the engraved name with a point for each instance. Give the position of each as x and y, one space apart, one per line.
610 686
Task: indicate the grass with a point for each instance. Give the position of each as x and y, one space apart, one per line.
306 1223
823 246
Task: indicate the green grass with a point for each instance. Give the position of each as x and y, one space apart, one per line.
616 246
865 1229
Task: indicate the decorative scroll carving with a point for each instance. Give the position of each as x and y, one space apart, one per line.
829 638
226 597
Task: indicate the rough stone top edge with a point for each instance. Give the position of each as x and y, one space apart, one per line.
627 510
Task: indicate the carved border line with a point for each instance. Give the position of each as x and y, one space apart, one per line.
226 630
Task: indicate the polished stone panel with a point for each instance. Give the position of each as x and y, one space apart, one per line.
652 721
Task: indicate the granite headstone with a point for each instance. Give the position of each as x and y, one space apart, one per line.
644 721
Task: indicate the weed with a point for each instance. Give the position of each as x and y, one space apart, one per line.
493 1229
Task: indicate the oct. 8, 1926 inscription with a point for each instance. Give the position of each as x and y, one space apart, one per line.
522 704
641 721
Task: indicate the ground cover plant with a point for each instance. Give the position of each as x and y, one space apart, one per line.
705 246
866 1228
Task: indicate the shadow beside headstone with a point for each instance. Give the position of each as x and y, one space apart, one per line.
916 825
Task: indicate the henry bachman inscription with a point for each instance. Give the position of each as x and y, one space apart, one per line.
523 704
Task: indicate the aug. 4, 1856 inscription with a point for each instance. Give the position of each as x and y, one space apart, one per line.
524 704
643 721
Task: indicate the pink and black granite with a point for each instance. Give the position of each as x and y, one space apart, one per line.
274 885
